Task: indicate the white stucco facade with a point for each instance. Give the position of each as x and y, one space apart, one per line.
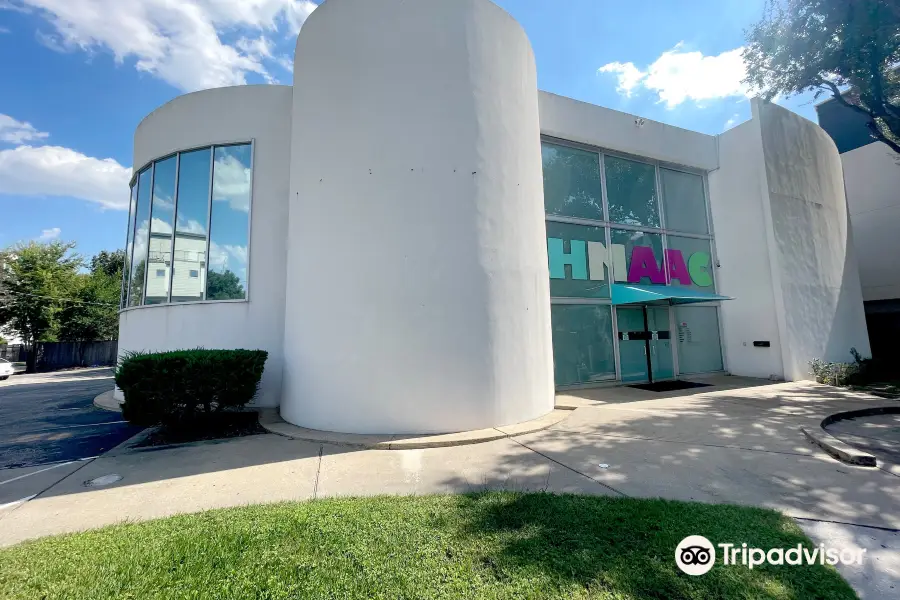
261 114
787 251
397 260
872 179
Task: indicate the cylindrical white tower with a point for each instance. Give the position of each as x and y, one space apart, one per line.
417 284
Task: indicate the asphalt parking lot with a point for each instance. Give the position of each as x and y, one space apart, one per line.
49 427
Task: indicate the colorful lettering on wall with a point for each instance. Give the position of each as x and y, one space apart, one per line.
592 260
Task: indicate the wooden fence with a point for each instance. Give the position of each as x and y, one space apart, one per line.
52 356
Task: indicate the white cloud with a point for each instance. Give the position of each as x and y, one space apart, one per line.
628 76
18 132
227 257
286 63
232 183
56 171
5 30
731 122
179 42
50 234
239 253
191 226
157 225
677 76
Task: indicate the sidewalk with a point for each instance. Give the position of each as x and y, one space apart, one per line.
735 445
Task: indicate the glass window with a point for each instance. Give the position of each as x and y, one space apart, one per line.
572 274
129 242
141 238
631 192
572 182
582 343
162 218
699 349
683 201
229 224
190 225
643 256
689 262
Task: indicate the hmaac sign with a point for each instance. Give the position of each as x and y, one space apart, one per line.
588 259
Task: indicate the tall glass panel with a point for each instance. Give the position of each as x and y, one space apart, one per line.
162 220
690 263
189 258
571 270
631 192
683 201
230 222
632 344
141 238
582 343
129 242
572 182
643 256
699 348
661 363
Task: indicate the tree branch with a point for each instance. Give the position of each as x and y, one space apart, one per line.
873 127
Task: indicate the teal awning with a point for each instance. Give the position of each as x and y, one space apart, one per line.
665 294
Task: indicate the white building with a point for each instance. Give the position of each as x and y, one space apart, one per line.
424 242
872 181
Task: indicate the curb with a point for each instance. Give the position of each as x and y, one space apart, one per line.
839 449
272 422
107 401
126 446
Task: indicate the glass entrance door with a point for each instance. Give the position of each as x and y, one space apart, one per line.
645 345
661 363
632 344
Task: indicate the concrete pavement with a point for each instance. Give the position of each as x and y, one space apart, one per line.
48 427
738 445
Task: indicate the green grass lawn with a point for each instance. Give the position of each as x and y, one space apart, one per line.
492 545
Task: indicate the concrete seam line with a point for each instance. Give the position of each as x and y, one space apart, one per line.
84 463
881 468
889 529
318 470
551 459
646 439
36 472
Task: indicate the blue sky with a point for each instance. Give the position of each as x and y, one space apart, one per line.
76 77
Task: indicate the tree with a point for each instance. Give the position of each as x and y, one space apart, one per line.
827 46
93 312
32 278
224 286
110 263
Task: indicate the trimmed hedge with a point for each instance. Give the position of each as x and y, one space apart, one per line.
172 388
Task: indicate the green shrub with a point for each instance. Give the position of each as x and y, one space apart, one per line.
173 388
834 373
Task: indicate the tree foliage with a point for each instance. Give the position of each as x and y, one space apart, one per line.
44 296
224 286
830 46
95 316
32 276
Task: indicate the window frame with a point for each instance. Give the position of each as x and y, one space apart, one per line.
663 231
177 154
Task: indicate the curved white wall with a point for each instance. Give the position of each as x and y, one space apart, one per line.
261 114
785 246
417 270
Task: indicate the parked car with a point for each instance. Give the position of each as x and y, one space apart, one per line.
6 369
